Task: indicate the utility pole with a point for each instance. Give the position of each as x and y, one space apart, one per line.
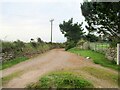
51 28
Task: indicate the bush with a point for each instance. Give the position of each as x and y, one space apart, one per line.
7 47
34 44
70 45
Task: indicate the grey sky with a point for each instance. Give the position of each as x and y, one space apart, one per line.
26 19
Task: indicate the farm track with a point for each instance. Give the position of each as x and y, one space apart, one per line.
54 60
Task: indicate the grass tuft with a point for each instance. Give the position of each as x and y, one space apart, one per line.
61 80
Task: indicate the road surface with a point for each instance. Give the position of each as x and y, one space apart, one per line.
56 59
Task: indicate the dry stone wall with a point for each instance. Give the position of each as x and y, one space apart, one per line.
111 54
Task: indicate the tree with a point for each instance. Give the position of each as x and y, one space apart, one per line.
73 32
103 18
91 37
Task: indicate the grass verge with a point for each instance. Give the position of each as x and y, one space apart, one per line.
101 74
61 80
13 62
6 79
97 58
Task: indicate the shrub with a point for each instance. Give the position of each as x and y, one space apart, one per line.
70 44
7 47
34 44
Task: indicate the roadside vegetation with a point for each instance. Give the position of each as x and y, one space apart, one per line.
61 80
98 58
18 51
13 62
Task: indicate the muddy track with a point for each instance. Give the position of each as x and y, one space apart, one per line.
56 59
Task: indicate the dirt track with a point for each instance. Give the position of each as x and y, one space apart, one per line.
56 59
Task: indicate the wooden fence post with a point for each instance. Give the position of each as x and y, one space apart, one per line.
118 54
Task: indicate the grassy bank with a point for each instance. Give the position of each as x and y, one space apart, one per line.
61 80
97 58
13 62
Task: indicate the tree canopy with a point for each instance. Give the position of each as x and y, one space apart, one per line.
72 31
91 37
103 18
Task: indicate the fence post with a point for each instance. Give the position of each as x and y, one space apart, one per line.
118 54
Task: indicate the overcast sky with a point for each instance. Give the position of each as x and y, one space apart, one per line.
26 19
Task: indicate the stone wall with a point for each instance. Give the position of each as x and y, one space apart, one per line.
7 56
111 54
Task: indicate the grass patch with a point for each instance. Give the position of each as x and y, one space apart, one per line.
101 74
13 62
6 79
97 58
61 80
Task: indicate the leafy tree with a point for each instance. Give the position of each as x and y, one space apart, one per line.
91 37
73 32
103 18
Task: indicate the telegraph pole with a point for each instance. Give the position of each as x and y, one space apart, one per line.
51 28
